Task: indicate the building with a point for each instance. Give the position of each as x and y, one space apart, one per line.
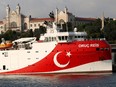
1 26
17 21
35 23
14 20
63 17
81 20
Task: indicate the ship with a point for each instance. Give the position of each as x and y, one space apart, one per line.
56 52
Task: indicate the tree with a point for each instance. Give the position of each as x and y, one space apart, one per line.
28 33
37 32
11 35
42 30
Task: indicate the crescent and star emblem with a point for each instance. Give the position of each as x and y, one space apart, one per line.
56 61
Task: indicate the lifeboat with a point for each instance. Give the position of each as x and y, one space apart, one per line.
6 45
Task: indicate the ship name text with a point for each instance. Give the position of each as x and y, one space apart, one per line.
88 45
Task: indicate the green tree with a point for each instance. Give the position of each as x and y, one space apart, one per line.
28 33
36 33
39 31
10 35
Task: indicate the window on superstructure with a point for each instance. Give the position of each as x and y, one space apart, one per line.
59 38
50 38
46 39
66 37
54 38
84 36
75 36
63 38
70 37
79 36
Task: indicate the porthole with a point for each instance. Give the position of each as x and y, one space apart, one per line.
97 49
28 51
28 58
4 67
37 51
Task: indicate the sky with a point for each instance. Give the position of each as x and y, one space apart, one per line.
80 8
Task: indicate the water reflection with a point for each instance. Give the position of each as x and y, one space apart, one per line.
59 80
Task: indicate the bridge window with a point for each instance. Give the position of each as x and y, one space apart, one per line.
62 37
48 39
76 36
66 37
102 49
59 38
79 36
53 38
70 37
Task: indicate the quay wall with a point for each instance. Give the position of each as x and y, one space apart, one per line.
113 48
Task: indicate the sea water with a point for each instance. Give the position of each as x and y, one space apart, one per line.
59 80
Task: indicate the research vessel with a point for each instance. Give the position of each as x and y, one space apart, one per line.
56 52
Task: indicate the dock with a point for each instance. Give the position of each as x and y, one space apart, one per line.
113 48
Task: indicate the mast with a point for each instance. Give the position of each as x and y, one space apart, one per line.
66 19
102 26
102 19
56 15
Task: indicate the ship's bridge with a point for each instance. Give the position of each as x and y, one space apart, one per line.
64 36
54 34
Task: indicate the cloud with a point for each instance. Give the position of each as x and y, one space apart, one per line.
41 8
